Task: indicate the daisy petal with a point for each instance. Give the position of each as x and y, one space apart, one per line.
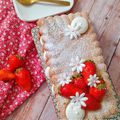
77 64
83 104
77 94
85 98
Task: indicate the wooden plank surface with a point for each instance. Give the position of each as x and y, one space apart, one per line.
33 107
105 14
115 66
49 111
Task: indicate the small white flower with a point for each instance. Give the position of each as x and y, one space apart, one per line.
72 32
64 79
93 80
77 64
79 100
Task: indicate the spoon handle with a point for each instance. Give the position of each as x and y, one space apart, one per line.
64 3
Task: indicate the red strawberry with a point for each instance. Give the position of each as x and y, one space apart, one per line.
6 75
69 90
91 104
80 83
15 61
89 69
99 92
23 78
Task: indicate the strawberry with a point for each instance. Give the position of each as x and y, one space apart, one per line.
98 92
23 79
80 83
6 75
91 104
15 61
69 90
89 69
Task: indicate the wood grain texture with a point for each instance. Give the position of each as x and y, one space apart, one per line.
105 15
114 69
33 107
49 111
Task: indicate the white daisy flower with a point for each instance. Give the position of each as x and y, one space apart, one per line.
79 100
64 79
93 80
72 32
77 64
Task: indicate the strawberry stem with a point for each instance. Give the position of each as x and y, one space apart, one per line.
18 70
19 57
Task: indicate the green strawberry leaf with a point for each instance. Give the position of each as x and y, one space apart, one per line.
18 70
90 61
101 86
59 90
76 76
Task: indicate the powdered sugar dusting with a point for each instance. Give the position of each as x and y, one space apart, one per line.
65 48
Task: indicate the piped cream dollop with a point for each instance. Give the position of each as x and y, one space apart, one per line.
44 55
41 40
47 72
80 23
53 92
74 112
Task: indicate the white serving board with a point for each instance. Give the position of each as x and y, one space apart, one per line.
39 10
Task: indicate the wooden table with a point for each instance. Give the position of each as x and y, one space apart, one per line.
105 15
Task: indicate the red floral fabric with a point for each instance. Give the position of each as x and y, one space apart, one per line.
16 38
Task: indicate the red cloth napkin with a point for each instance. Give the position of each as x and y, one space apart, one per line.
15 37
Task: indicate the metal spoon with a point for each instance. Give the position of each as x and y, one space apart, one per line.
30 2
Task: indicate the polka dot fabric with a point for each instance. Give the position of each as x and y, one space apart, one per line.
15 37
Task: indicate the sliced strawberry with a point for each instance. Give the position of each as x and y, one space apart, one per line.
80 83
69 90
91 104
15 61
89 69
6 75
98 92
23 79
